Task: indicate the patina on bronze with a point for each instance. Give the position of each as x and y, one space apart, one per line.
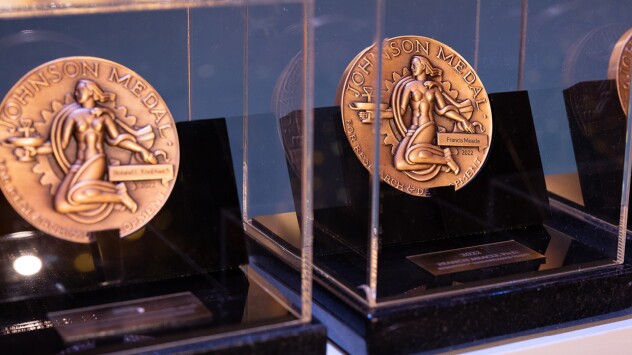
86 145
619 67
436 121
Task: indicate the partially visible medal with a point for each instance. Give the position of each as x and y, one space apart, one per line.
435 117
86 145
619 67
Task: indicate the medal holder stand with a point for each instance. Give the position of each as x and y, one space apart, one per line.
506 201
184 271
106 255
597 124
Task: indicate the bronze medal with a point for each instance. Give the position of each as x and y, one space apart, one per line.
619 67
435 116
86 145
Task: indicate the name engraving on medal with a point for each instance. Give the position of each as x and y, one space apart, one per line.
476 257
462 140
162 172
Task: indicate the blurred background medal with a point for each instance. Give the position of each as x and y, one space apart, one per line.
619 67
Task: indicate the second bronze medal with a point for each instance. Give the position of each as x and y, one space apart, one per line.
435 118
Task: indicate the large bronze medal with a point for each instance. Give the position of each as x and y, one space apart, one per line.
86 145
619 67
435 116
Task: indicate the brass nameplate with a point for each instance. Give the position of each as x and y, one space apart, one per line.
163 172
462 140
129 317
476 257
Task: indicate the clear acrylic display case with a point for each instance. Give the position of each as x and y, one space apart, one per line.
381 239
187 281
554 187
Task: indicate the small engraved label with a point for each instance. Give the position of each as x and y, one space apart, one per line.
462 140
162 172
476 257
127 317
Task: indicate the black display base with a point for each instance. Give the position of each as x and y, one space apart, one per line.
226 302
448 322
27 330
598 127
309 339
226 339
453 321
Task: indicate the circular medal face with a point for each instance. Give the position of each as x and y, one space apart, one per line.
435 119
86 145
619 67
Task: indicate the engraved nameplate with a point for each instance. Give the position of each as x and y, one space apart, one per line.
129 317
476 257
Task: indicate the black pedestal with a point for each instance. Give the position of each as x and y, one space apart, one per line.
448 322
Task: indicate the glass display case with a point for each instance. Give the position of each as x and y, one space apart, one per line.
468 167
121 151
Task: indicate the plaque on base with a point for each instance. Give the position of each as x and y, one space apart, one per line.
129 317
